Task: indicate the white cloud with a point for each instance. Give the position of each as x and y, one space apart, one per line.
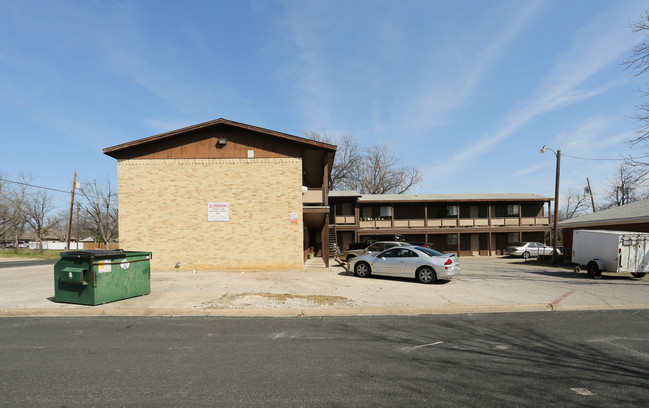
528 170
585 138
430 108
317 41
594 46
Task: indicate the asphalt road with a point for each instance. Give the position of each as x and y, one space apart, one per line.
23 263
594 359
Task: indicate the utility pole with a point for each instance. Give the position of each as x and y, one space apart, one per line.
556 200
74 186
556 207
590 191
77 233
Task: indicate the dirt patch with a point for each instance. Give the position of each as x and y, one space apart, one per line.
263 300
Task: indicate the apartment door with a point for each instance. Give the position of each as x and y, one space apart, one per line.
475 244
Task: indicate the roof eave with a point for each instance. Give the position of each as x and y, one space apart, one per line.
110 151
594 223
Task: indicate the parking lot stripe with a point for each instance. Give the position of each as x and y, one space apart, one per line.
560 298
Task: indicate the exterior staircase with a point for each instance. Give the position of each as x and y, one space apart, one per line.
333 245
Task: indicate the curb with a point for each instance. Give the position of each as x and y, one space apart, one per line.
379 311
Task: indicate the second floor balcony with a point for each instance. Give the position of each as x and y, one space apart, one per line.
444 222
313 196
440 215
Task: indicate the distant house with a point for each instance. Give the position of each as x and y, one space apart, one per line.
52 239
630 217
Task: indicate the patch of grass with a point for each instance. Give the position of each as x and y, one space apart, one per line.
23 253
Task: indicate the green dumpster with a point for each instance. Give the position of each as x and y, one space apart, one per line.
94 277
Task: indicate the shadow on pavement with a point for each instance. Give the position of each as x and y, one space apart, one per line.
394 278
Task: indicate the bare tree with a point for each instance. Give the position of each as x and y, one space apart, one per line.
369 171
575 203
628 185
380 173
639 59
100 207
347 161
5 209
59 225
13 198
37 208
639 63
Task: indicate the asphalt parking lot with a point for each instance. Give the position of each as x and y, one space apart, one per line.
486 284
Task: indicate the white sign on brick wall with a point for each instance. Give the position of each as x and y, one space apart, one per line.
218 212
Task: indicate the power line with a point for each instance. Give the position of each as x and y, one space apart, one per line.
32 185
589 158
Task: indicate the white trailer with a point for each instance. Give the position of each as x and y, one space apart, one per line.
611 251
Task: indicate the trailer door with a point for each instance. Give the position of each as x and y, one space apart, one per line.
633 254
626 253
641 253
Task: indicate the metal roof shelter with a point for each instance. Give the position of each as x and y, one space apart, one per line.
630 217
637 212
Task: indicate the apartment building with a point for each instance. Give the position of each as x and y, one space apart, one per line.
468 224
223 195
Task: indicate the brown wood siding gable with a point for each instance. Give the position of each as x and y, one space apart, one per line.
200 142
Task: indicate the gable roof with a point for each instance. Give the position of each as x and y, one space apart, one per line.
113 151
627 214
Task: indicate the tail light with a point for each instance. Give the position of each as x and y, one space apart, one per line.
448 262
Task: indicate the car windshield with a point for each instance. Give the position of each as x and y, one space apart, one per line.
429 252
518 244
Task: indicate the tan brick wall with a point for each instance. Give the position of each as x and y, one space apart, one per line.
163 209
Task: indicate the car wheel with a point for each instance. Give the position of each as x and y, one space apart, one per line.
638 274
362 269
426 275
593 269
526 255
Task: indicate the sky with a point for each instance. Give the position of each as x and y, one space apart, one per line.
467 91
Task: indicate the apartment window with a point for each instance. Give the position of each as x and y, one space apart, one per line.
386 211
451 210
347 209
512 209
513 237
451 239
367 212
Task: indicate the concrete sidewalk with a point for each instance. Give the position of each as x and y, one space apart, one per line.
492 284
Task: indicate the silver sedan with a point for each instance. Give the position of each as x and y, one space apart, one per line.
424 264
530 249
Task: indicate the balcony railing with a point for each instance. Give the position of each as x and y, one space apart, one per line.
313 196
474 222
345 219
445 222
409 223
376 224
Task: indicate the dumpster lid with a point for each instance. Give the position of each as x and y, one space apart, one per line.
91 253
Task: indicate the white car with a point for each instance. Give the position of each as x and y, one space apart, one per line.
530 249
424 264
